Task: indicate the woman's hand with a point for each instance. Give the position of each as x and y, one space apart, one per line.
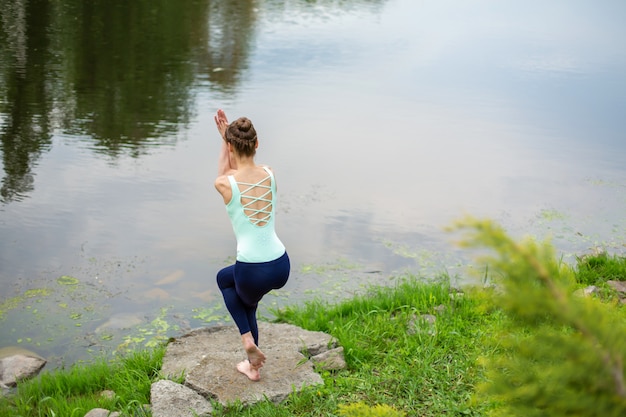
225 163
222 122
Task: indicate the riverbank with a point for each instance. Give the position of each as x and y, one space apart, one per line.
394 357
418 348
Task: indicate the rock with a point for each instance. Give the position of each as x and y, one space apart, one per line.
172 278
428 319
423 324
587 291
619 286
108 394
284 371
330 360
4 390
17 363
120 321
207 357
157 294
440 308
207 296
170 399
101 412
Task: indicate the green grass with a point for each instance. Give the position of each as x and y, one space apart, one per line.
396 361
75 391
394 358
599 268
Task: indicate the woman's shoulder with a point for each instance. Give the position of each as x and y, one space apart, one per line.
266 167
222 182
222 179
222 185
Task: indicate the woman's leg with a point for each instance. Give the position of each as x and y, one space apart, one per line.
239 311
245 319
254 280
254 328
243 285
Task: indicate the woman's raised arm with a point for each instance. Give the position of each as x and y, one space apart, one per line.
224 162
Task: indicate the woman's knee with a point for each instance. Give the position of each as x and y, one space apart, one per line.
226 277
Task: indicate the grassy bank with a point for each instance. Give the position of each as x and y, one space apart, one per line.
394 356
418 348
75 391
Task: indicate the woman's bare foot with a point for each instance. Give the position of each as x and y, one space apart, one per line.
255 361
252 372
255 356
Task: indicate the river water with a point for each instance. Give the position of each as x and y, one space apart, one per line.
384 121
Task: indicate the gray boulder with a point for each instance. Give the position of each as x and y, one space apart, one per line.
619 286
167 398
17 364
101 412
330 360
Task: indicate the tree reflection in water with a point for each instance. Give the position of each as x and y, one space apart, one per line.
119 74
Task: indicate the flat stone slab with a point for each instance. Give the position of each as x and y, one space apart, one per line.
207 357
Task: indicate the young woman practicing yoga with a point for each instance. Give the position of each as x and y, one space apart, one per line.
262 264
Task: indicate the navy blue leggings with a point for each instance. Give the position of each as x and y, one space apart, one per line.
244 284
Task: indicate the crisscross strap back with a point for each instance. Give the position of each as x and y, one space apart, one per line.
257 215
252 213
257 208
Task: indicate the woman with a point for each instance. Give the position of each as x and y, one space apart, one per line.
249 192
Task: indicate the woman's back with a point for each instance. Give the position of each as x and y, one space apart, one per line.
256 194
251 211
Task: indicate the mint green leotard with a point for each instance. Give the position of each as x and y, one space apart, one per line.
256 236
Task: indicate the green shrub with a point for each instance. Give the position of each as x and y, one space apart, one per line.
559 354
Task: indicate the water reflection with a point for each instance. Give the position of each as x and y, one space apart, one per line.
26 100
126 72
117 73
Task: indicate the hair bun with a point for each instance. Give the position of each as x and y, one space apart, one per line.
242 135
243 129
244 124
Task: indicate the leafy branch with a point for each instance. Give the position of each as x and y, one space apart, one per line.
538 295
